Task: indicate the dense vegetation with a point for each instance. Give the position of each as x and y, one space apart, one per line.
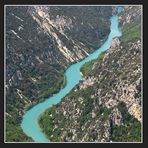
47 91
14 132
86 69
53 122
48 124
132 32
130 130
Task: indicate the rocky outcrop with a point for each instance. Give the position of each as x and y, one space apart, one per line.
88 82
116 117
125 86
132 14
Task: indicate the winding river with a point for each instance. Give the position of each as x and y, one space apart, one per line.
29 123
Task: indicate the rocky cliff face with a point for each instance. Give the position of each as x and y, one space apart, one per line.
123 77
106 106
41 42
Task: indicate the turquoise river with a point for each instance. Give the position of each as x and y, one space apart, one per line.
30 119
